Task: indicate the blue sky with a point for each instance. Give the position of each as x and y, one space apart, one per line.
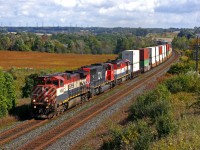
101 13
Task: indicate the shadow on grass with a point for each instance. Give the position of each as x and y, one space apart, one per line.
22 112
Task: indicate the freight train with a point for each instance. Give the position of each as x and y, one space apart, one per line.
56 93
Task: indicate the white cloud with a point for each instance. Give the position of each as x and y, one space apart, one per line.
66 3
107 13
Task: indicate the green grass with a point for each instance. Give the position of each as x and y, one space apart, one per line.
188 135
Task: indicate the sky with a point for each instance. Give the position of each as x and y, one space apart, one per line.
101 13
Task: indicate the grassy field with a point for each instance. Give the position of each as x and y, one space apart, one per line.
9 59
22 62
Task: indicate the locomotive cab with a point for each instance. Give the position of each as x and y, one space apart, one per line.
43 96
109 72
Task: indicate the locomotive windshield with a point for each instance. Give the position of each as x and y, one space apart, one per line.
55 82
40 81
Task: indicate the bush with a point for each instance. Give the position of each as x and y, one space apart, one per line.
185 82
181 68
152 104
145 136
134 136
165 124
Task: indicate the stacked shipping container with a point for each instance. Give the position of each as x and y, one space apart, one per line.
160 54
144 59
134 57
165 52
157 56
169 50
152 57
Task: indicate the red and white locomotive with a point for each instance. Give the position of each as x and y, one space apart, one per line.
56 93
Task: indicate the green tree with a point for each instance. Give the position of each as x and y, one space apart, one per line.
49 46
186 33
30 82
122 44
181 43
10 92
38 45
60 48
3 106
7 93
20 45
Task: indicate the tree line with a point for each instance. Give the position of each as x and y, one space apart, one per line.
81 43
186 39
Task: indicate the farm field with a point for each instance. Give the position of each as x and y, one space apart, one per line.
37 60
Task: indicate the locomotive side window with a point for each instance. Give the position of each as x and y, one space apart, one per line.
99 75
48 81
61 83
55 82
108 67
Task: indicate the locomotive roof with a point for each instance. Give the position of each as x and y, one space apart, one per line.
116 61
53 76
92 66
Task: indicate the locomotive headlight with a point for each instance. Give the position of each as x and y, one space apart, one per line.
46 99
34 101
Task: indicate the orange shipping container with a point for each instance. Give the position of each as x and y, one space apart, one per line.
160 50
144 53
167 47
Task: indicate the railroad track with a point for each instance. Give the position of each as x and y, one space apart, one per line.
19 130
49 137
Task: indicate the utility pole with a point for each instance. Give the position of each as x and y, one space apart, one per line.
197 58
197 53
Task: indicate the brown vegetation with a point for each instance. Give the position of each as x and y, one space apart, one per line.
48 60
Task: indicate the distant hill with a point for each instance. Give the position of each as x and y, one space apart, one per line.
95 30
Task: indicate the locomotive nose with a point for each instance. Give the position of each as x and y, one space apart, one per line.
43 93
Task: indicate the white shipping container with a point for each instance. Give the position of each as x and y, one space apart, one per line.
163 54
132 55
136 67
163 51
152 51
157 58
152 60
157 50
161 58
